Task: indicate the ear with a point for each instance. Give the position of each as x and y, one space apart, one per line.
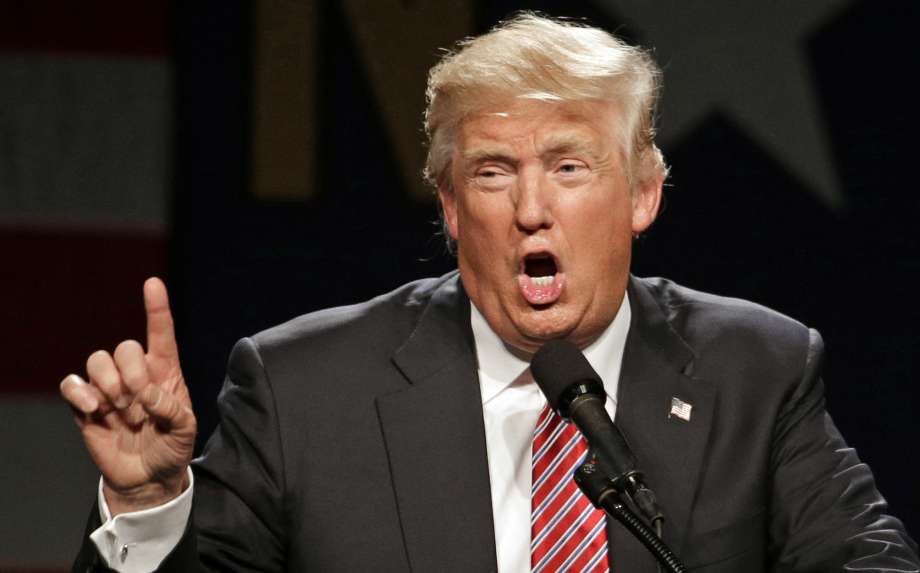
646 201
448 198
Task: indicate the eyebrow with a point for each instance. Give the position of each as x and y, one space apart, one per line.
554 147
485 154
567 144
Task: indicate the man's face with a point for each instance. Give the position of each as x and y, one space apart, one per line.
543 217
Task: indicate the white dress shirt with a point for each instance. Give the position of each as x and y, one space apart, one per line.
138 541
511 402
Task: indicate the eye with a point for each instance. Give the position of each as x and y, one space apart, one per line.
492 177
570 167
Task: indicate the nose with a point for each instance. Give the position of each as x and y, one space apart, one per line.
532 202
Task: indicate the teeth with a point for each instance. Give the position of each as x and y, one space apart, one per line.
542 281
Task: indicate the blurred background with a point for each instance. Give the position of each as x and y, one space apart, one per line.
264 158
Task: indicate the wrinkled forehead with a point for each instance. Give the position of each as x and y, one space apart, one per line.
586 125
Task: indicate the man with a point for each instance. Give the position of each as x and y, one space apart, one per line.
405 433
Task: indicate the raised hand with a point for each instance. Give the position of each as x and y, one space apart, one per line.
135 413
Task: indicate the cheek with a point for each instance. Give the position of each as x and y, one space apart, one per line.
598 213
481 217
599 235
477 240
483 229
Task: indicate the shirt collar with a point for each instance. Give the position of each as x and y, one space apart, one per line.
499 367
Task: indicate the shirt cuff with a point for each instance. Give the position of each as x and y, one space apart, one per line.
138 541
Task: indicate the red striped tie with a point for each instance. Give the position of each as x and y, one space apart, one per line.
567 533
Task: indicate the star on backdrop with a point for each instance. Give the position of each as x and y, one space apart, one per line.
761 79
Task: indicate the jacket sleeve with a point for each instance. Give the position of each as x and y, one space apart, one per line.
238 514
827 514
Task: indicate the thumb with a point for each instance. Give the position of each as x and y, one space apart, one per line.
164 408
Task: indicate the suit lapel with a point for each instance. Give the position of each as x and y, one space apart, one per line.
657 367
435 441
435 436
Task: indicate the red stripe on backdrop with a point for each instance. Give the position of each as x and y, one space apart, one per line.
66 294
96 26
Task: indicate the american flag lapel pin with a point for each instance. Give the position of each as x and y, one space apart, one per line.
680 409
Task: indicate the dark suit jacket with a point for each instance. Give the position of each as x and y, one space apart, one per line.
352 440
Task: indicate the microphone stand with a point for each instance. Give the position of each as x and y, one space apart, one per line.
601 492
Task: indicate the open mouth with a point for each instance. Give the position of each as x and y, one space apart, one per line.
541 279
541 268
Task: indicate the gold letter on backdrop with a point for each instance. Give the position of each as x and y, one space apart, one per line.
283 100
397 41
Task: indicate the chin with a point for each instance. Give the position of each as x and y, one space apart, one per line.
541 325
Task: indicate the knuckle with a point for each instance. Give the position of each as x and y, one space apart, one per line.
110 390
107 380
132 370
101 372
135 414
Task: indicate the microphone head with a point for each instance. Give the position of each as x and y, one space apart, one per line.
563 373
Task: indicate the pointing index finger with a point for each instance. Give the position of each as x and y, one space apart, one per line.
161 337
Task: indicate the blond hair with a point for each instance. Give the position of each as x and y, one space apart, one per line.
534 57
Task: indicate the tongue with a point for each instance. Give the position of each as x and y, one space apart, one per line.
541 290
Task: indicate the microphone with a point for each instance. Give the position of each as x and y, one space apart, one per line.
575 391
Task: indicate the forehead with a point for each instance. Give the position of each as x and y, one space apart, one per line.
539 125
